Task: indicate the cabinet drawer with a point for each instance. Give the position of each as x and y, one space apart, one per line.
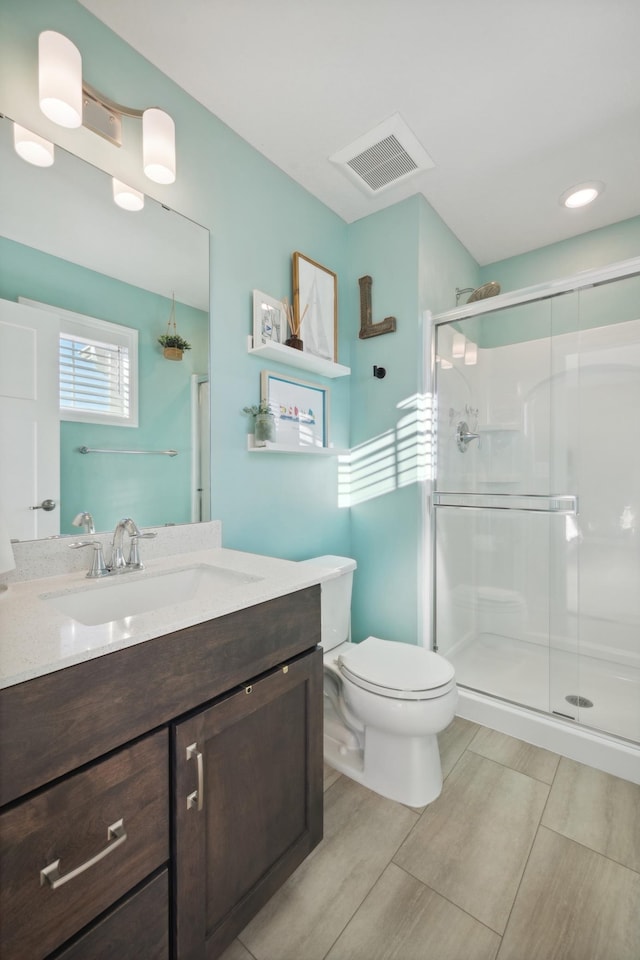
108 828
137 929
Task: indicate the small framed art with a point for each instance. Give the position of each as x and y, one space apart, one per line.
301 410
269 320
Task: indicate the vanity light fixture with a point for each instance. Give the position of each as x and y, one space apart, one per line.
127 197
581 194
458 345
32 147
470 353
69 102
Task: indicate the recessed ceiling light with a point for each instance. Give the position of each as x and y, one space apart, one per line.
581 194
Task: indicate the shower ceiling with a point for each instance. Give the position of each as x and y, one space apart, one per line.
513 102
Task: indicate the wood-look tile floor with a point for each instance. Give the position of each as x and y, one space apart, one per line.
524 856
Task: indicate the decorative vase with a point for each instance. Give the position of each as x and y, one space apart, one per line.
294 342
172 353
265 429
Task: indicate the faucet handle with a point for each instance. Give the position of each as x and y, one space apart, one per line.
134 561
98 567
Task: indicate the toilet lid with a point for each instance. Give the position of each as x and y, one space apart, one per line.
396 669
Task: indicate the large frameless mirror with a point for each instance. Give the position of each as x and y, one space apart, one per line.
86 289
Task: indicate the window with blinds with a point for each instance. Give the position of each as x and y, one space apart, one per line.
98 371
94 376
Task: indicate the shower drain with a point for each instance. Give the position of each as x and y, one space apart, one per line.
577 701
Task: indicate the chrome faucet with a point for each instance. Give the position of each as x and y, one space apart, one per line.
464 436
84 520
117 564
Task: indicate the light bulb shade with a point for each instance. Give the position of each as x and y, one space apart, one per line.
126 197
457 347
60 79
158 145
31 147
470 353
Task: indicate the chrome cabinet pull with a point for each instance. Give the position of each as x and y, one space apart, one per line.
196 799
51 874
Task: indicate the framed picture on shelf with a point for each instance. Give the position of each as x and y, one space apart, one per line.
315 303
269 320
301 410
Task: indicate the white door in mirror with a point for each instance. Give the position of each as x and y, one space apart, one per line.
29 421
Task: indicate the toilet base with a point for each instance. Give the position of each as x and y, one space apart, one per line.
405 769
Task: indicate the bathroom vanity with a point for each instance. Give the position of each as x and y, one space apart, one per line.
155 797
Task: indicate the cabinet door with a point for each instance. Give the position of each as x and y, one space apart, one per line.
248 802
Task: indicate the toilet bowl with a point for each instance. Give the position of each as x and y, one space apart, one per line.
385 702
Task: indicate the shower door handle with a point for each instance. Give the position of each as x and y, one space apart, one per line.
528 502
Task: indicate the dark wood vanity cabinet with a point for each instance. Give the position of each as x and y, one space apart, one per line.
178 783
247 800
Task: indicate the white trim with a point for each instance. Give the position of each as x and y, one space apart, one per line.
195 448
621 758
79 324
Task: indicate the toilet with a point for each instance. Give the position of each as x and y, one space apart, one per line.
384 701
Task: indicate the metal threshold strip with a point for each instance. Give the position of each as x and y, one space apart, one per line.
529 502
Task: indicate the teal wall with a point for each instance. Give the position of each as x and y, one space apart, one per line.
415 263
154 490
284 505
621 241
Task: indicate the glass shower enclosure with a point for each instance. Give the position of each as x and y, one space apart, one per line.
536 502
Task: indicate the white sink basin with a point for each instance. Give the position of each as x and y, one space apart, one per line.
131 593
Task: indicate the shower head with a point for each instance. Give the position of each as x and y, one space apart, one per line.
491 289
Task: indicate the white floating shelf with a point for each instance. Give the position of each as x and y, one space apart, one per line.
298 358
281 448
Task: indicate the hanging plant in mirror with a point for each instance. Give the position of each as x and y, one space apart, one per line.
174 345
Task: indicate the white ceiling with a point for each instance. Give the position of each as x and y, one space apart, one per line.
514 100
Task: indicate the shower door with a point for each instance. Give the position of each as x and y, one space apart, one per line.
536 504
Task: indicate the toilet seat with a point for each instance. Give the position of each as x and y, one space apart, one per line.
396 670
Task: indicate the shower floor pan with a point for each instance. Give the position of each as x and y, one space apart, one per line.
519 671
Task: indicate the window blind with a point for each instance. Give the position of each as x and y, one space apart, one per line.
94 376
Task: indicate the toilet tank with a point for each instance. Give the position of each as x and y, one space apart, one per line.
336 600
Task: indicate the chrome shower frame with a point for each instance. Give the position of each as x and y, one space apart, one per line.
604 751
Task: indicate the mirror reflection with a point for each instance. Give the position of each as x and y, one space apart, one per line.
78 271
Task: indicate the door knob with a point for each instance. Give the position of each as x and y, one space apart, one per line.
45 505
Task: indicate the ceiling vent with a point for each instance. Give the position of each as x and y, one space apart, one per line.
385 156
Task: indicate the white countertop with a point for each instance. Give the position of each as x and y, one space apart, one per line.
36 639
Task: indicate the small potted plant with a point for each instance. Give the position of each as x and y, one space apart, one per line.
174 345
264 423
